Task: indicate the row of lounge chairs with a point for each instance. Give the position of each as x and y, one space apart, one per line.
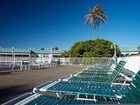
86 87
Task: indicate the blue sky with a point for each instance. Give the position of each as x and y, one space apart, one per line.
50 23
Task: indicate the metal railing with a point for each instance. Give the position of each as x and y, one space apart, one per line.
16 63
86 61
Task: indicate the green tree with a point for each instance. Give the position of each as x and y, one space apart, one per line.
93 48
65 54
77 49
95 16
42 48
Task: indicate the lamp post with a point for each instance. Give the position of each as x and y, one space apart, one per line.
115 49
13 54
115 52
52 51
139 49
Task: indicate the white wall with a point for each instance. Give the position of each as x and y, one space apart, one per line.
133 63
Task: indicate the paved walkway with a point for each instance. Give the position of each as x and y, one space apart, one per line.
17 83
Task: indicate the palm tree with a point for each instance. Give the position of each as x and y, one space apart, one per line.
95 16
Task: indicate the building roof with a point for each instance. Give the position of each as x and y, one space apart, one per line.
47 51
129 49
22 50
38 51
6 50
14 50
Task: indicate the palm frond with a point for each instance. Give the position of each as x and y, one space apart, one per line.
96 16
88 19
101 18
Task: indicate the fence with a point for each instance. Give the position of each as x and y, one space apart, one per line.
8 63
85 61
16 62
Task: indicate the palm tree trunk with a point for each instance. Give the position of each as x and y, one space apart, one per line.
94 31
